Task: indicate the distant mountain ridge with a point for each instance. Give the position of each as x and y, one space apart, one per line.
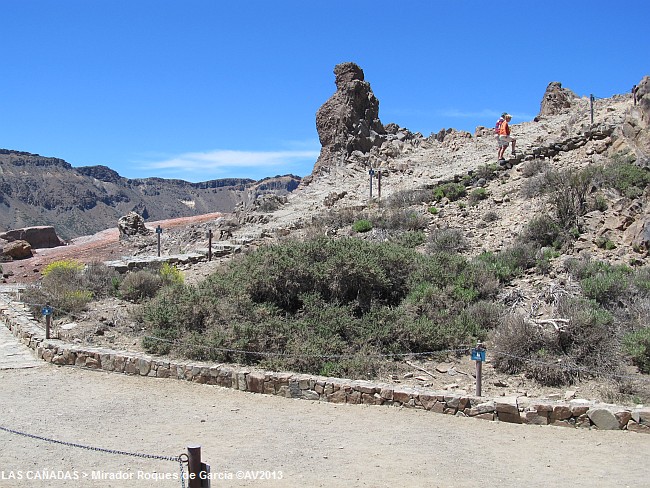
38 190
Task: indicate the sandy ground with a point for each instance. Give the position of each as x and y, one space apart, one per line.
303 443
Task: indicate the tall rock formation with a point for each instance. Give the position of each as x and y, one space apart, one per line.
637 122
556 99
349 120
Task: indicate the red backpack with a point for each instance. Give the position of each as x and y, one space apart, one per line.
497 127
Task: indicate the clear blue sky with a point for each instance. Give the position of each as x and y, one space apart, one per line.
204 89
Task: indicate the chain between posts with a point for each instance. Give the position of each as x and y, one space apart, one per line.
178 458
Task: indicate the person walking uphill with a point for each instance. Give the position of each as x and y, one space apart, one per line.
505 138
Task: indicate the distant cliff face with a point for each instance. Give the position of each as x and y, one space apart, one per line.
36 190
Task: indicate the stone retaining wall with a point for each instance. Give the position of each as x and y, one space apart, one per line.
520 410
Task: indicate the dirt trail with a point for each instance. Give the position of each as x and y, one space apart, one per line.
305 443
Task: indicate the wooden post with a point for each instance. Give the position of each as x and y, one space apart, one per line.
478 354
209 244
158 232
479 379
379 185
47 312
194 466
591 105
371 172
48 324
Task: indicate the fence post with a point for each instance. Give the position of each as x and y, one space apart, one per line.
379 185
371 172
194 466
478 355
591 105
47 311
158 232
209 244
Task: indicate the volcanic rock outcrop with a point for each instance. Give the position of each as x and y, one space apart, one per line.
556 99
132 224
349 120
38 237
637 122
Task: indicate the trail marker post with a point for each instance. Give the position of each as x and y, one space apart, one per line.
209 235
158 232
478 355
371 173
47 312
591 107
379 185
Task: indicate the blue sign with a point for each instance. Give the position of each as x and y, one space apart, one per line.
47 310
478 354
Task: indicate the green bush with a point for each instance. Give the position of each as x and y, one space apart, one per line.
637 346
452 191
626 177
362 226
325 306
139 285
586 346
63 268
100 279
600 281
447 240
477 195
544 231
171 275
407 198
62 287
409 239
510 262
401 219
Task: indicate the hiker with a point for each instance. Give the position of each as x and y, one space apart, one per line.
497 126
505 138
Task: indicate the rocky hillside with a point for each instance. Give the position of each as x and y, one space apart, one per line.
37 190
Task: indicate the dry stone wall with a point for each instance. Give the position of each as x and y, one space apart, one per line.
520 410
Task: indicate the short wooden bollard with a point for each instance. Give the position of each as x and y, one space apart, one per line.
209 244
197 471
158 232
478 355
47 312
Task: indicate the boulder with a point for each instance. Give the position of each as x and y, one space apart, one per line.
132 224
17 250
39 237
603 419
556 100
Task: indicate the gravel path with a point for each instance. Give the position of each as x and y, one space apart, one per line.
304 443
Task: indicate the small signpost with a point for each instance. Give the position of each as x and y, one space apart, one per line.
158 232
47 313
209 235
379 185
478 355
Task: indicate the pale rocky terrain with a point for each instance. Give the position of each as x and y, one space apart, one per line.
410 161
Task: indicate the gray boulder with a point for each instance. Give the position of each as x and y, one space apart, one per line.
132 224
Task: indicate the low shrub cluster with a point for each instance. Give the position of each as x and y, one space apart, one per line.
326 306
69 285
579 349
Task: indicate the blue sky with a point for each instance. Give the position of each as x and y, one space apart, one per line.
205 89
